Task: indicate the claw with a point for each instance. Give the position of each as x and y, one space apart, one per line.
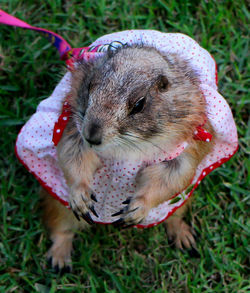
87 218
56 269
65 270
93 211
171 241
93 197
49 260
117 214
133 210
194 253
119 222
76 215
127 201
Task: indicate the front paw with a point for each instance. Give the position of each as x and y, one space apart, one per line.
82 203
135 210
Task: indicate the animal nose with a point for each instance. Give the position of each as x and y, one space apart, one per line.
93 133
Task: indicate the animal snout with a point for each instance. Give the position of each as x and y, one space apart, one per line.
93 133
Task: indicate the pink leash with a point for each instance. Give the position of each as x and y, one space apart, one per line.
62 46
66 52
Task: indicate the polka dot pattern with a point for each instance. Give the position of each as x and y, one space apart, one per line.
35 148
176 43
115 180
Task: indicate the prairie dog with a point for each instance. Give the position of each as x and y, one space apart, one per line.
129 100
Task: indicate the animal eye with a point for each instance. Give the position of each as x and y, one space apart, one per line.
138 106
163 83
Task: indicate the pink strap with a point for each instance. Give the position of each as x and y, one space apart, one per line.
62 46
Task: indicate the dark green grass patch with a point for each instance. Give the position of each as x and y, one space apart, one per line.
106 259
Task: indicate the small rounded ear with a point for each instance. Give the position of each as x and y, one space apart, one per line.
162 83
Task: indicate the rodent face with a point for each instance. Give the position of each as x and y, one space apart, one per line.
135 100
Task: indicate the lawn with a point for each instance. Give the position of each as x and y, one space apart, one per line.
106 259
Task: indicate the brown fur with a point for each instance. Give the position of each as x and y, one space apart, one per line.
178 231
61 224
104 97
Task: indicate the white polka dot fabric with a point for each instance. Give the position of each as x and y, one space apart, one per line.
114 182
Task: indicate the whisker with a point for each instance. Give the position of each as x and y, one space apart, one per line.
129 143
143 139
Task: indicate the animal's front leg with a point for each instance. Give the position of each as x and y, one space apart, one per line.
79 177
79 165
156 184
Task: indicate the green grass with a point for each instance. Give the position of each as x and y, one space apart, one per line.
106 259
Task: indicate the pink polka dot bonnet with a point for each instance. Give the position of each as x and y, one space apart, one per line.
115 180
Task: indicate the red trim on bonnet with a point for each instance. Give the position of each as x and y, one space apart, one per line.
216 70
